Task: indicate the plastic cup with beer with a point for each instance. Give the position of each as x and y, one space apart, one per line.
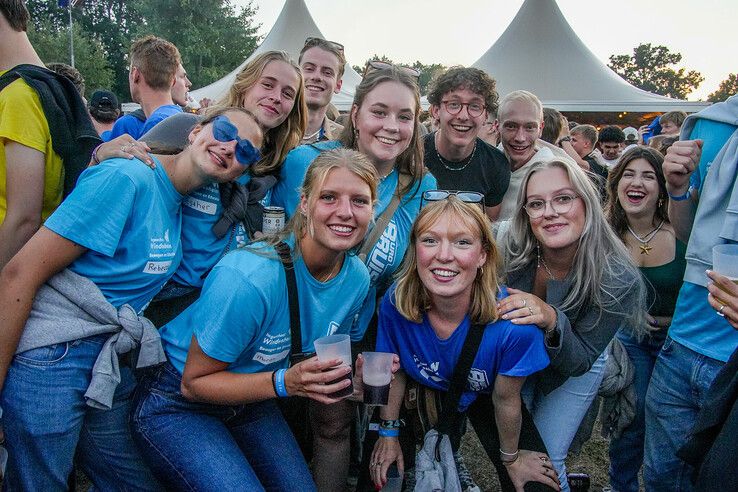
376 376
336 347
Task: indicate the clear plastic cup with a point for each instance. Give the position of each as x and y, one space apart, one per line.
336 347
376 376
725 260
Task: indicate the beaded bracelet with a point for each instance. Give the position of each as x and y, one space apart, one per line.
278 380
388 432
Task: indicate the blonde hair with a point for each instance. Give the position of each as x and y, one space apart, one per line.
315 177
411 296
280 140
522 96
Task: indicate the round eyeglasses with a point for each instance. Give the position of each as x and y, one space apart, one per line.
475 109
560 204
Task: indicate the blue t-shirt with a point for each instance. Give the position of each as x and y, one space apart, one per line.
696 325
507 349
201 249
128 217
242 316
126 124
161 113
385 258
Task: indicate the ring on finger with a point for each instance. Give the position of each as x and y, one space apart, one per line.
530 310
525 303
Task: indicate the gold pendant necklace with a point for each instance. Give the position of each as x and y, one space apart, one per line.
644 246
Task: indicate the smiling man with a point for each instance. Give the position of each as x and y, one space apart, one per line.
322 63
461 98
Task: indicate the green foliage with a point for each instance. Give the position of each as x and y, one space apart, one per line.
727 88
649 68
53 46
427 72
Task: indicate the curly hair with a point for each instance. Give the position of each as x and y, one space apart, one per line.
471 78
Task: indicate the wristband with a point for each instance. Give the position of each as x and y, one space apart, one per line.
388 432
680 198
563 139
392 424
94 154
278 379
509 458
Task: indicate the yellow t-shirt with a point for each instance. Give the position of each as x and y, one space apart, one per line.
22 120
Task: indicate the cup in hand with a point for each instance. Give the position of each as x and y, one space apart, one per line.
336 347
725 261
376 376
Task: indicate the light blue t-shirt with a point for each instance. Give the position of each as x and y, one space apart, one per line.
126 124
242 315
696 325
507 349
385 258
201 249
128 217
159 114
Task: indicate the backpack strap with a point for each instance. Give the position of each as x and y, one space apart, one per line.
139 114
381 222
285 254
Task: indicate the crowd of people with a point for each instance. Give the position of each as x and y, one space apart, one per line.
154 336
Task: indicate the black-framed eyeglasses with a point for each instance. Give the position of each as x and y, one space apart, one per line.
374 65
475 109
464 196
313 41
560 204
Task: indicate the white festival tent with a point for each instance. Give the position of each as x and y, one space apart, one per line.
292 27
541 53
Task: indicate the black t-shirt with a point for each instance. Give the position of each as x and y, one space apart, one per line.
488 172
599 175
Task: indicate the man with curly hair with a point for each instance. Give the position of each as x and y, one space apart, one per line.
461 99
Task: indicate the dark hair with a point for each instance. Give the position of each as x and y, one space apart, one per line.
157 59
71 73
613 209
329 46
612 134
552 121
410 161
16 13
474 79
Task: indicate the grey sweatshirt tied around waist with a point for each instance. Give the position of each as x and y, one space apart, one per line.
70 307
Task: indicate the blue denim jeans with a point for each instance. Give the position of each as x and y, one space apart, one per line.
46 420
626 451
203 446
679 384
558 414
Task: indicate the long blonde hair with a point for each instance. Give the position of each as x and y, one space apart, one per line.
411 296
280 140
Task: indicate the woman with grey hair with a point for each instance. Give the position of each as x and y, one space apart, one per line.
572 277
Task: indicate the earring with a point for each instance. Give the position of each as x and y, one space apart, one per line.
661 202
356 133
480 272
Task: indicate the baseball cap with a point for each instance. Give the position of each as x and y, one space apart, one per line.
631 134
102 99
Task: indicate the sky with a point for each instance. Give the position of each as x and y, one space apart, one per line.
704 31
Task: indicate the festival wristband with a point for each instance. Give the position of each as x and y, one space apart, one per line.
392 424
94 154
389 432
680 198
278 379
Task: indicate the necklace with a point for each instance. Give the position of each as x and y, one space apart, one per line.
446 163
312 135
645 247
382 178
542 263
330 274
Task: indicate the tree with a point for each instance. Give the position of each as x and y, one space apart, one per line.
727 88
427 72
649 68
53 46
213 38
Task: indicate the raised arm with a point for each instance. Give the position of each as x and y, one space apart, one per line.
680 162
45 254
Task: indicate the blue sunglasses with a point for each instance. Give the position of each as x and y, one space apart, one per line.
225 131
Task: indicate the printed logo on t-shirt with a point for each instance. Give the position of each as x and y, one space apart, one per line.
273 348
477 380
160 254
383 253
333 327
428 371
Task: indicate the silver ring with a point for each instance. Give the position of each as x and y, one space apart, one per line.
525 303
720 312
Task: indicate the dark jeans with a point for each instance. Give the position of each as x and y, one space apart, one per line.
481 415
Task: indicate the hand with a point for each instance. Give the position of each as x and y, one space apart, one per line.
522 308
679 163
309 378
642 131
204 103
125 147
532 466
386 451
358 376
723 297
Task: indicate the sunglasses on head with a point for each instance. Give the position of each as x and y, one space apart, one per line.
374 65
313 41
464 196
225 131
